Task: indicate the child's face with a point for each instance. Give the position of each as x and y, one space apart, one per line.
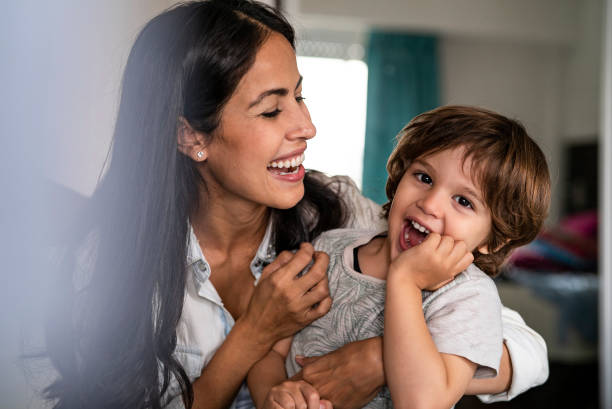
438 194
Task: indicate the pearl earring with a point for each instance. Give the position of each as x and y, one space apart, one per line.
200 154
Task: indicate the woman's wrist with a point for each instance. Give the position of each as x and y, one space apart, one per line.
374 355
259 343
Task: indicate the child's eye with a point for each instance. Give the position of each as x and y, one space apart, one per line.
271 114
464 202
423 177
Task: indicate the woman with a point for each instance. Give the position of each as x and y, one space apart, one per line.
179 287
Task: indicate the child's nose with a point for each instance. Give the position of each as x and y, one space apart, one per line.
431 204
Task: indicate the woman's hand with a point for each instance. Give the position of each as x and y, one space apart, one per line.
283 302
295 395
349 377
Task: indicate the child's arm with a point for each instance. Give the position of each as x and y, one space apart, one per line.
270 389
268 372
417 374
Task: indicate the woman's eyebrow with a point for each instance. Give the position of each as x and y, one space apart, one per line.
276 91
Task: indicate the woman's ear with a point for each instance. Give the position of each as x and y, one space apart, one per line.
190 142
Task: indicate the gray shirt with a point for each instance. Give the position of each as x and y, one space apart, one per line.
463 317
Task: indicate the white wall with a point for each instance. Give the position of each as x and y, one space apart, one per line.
542 20
522 81
582 77
86 45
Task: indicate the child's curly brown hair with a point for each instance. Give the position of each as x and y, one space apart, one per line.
508 165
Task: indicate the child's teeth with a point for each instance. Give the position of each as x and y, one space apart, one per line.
420 228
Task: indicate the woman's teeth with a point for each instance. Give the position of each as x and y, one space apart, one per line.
287 164
420 228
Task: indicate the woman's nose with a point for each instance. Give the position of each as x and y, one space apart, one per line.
306 131
303 128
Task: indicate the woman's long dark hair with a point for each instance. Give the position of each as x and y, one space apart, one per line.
112 339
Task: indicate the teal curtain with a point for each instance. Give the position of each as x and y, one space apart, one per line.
402 83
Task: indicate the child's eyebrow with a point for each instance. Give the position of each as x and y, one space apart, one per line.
476 194
422 163
473 193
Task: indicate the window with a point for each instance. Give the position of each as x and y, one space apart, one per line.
336 95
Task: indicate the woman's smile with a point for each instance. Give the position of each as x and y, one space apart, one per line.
288 168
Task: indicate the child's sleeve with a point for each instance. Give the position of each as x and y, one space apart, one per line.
464 319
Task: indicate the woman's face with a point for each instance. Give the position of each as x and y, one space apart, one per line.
255 154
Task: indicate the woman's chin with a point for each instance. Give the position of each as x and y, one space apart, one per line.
287 200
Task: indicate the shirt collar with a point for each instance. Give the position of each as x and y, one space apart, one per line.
196 261
201 269
265 253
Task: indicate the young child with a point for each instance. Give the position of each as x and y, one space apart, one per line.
465 184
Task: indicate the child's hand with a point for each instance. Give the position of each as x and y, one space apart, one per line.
295 395
433 263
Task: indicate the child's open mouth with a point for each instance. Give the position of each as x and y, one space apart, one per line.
413 234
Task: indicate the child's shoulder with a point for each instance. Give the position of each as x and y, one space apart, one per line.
475 277
472 284
338 239
473 273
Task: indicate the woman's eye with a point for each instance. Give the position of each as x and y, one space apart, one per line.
300 99
423 177
271 114
463 202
